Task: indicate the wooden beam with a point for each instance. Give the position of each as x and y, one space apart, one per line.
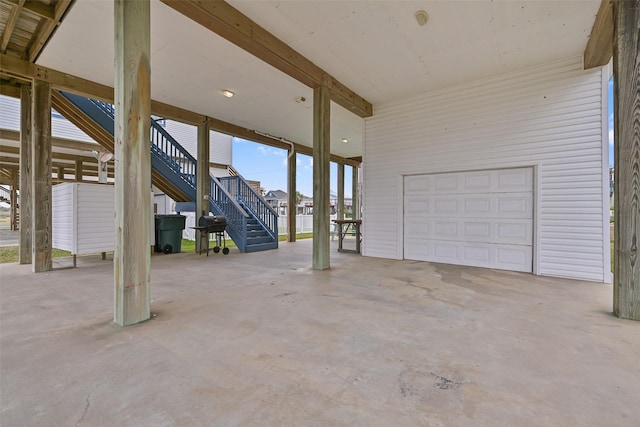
12 135
626 81
78 170
12 20
321 168
292 205
19 68
600 45
229 23
26 172
132 258
41 178
9 90
41 9
47 27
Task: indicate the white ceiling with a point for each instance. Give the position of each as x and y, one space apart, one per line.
375 48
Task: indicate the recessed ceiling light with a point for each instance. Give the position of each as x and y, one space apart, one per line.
344 140
228 93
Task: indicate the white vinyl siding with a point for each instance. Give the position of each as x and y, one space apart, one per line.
187 135
548 117
60 126
83 217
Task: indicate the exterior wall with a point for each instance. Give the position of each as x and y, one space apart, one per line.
550 117
83 218
60 127
63 217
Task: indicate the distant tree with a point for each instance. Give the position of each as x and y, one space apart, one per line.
299 197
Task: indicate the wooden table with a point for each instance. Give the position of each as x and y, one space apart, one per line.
344 225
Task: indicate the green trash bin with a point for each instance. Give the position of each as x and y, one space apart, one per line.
169 233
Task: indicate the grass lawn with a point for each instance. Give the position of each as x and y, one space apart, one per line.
190 245
10 254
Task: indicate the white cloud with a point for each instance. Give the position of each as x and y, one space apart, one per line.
270 151
309 166
610 136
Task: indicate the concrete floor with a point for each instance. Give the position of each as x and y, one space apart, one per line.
260 339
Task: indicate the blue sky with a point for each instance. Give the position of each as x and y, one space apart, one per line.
611 122
268 165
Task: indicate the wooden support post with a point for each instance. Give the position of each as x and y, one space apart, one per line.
321 155
131 258
60 172
26 172
41 181
78 170
203 180
626 80
14 201
292 205
355 208
340 201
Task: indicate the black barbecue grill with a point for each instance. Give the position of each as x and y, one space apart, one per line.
216 225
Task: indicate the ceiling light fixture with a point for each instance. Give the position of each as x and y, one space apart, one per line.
344 140
228 93
422 17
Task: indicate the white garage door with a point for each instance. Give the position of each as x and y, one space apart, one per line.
479 218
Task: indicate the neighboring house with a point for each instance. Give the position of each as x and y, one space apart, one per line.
278 199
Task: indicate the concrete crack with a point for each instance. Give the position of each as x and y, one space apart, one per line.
87 403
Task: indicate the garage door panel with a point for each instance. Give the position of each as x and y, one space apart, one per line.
478 181
445 230
514 205
477 206
515 180
417 206
478 218
517 258
445 183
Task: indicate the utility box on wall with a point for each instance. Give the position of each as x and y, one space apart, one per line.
83 217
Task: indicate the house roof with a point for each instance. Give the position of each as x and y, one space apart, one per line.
375 49
276 194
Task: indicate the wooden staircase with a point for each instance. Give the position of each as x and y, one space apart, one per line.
85 123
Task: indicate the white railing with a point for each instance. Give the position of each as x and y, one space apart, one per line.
304 223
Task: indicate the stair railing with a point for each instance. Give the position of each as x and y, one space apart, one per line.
164 145
5 193
252 201
223 203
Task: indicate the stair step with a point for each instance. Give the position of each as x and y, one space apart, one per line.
262 246
259 239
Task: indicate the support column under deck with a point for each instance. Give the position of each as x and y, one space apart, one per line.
292 205
340 201
41 182
202 179
626 80
132 258
26 176
321 156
